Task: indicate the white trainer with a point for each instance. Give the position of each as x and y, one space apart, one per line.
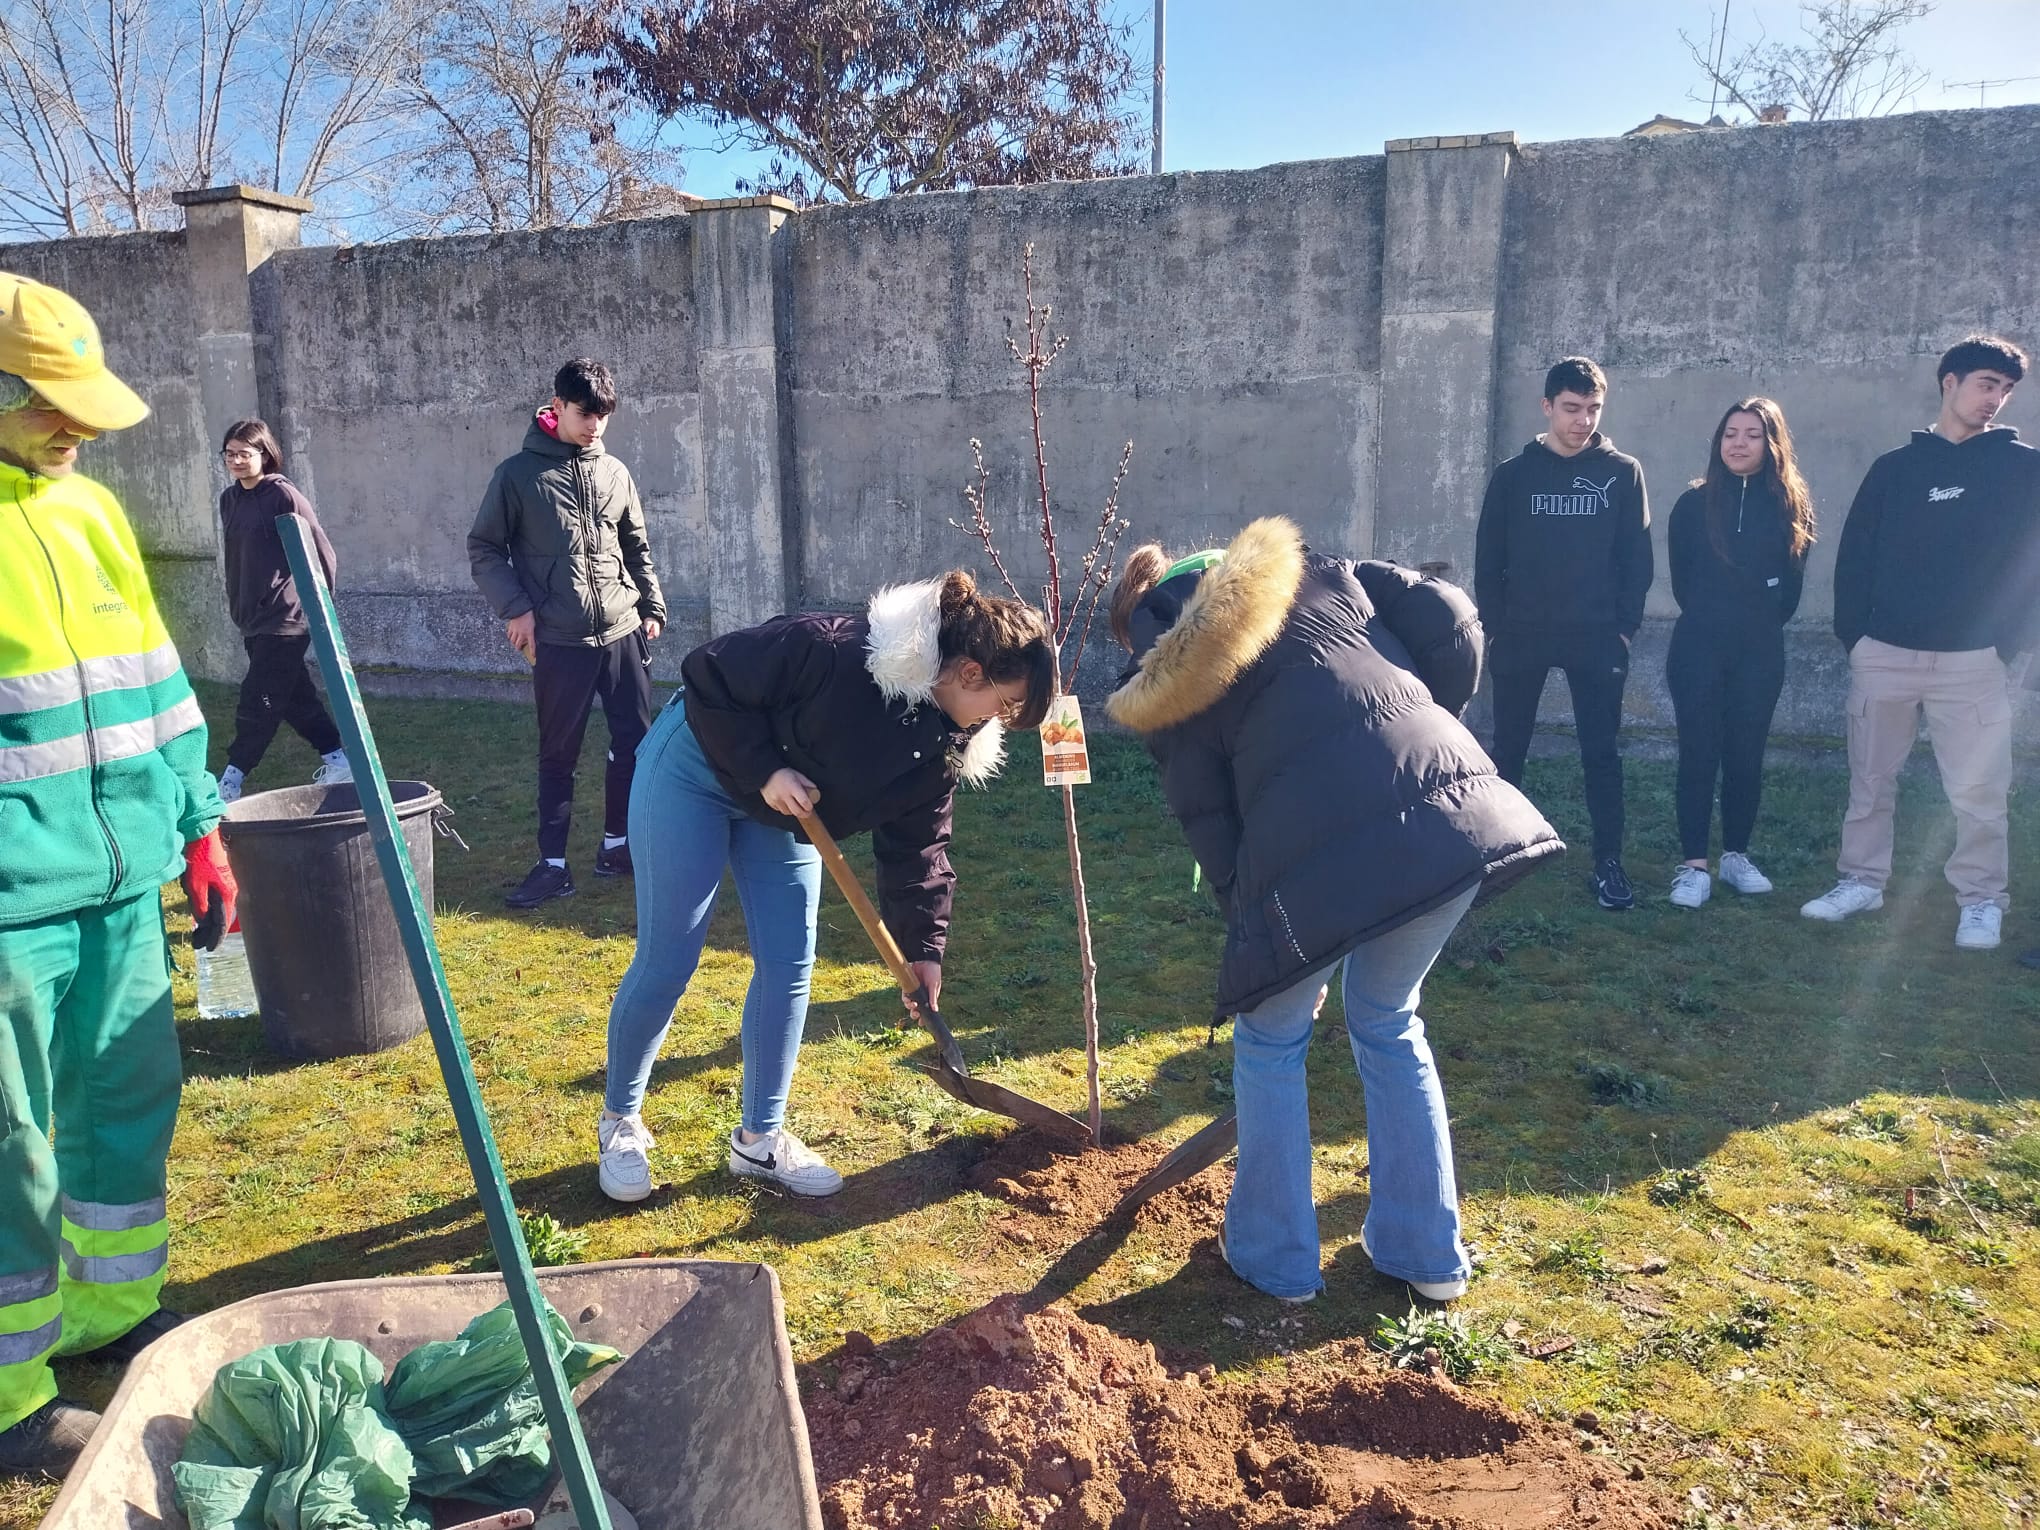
1740 872
1430 1290
625 1168
1979 927
1691 887
784 1159
1846 897
335 772
230 785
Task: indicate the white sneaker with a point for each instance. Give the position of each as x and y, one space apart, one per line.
1740 872
1430 1290
1979 927
334 773
785 1160
230 784
1846 897
1691 887
625 1168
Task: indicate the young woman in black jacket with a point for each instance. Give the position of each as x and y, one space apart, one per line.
867 722
1303 712
1739 539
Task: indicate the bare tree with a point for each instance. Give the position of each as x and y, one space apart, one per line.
862 98
1849 62
1070 605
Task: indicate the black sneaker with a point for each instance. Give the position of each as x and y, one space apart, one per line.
1611 885
545 880
48 1441
139 1337
613 863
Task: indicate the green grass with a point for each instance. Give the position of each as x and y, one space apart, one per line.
1767 1194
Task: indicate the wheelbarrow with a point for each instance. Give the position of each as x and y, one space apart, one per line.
699 1426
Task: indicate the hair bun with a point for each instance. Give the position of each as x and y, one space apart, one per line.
959 591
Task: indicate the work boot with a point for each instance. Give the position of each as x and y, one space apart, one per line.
139 1337
543 881
48 1441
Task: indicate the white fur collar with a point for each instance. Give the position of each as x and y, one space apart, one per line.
904 655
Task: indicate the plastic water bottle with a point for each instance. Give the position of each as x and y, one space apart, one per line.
225 989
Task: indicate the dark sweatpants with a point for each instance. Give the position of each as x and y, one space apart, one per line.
1724 682
565 680
277 689
1596 665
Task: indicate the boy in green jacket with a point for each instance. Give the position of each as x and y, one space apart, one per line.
104 796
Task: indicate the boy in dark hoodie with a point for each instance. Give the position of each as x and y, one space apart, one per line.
559 550
1562 560
1935 590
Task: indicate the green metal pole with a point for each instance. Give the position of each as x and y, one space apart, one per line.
505 1235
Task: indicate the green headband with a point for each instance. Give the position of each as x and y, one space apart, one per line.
1195 563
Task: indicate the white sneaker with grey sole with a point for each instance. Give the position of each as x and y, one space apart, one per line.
1691 887
625 1168
1846 897
785 1160
1980 927
336 772
1740 872
1430 1290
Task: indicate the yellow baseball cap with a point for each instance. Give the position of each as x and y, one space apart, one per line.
49 341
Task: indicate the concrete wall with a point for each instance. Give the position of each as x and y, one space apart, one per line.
1353 342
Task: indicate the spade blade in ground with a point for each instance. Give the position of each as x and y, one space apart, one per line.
1196 1154
1001 1101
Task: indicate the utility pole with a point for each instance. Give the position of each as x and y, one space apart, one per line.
1161 26
1720 51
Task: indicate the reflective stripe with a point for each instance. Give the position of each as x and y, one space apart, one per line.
115 1269
97 1216
36 1284
88 677
20 1348
118 741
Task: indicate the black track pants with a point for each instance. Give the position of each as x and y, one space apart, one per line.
277 689
565 682
1724 682
1596 665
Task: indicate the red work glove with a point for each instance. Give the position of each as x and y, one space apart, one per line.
209 884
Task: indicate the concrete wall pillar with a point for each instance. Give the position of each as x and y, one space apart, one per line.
750 547
1440 290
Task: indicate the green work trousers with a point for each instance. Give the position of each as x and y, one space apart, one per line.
86 1038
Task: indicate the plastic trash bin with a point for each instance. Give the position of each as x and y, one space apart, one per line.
323 946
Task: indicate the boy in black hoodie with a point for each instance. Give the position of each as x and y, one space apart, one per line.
1561 562
1935 589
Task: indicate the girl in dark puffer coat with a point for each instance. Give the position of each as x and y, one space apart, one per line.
1303 711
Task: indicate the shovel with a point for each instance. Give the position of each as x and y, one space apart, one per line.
948 1069
1193 1155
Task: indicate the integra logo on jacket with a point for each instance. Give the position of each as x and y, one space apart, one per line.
1593 502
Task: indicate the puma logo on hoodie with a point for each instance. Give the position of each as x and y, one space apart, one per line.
1593 502
1564 542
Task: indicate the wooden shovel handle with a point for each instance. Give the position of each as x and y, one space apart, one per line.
867 914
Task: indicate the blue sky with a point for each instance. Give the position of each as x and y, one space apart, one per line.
1255 82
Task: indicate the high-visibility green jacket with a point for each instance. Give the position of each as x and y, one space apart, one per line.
102 745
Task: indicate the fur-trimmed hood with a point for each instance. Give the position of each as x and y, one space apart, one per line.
1235 613
904 656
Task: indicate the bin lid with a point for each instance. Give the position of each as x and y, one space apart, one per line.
320 807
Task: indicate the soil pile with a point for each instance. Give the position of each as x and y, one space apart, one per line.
1015 1419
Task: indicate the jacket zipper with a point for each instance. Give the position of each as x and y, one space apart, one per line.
1741 501
591 542
85 700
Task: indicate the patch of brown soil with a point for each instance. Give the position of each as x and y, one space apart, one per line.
1007 1420
1082 1188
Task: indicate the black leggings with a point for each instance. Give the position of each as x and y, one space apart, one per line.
1724 682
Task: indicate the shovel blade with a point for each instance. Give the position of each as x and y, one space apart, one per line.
1001 1101
1193 1156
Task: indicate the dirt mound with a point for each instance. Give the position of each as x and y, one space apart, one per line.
1014 1419
1041 1178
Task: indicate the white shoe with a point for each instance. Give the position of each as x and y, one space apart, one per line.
1846 897
625 1168
1691 887
785 1160
334 773
230 784
1740 872
1430 1290
1979 927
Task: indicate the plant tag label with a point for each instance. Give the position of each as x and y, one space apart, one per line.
1065 759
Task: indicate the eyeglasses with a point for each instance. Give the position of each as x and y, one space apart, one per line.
1009 711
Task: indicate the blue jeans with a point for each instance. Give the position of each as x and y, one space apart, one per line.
684 829
1412 1227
